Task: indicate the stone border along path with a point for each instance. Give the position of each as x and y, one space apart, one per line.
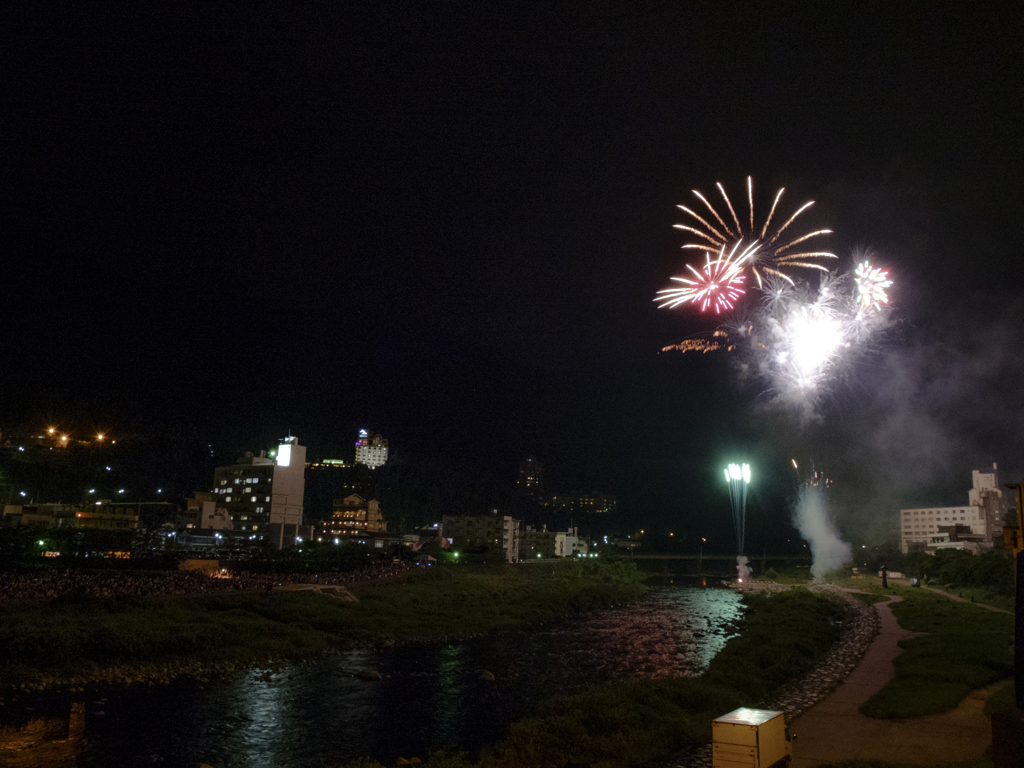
816 685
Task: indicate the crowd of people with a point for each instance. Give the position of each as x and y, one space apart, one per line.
121 583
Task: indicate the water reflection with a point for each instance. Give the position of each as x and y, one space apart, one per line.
429 696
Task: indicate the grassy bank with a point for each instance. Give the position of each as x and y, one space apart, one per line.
78 642
965 648
782 637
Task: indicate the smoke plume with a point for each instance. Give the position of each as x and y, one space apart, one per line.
811 518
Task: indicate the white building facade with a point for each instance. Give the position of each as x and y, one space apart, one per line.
371 450
264 496
977 520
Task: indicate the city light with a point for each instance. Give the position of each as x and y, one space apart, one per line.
22 493
92 490
99 438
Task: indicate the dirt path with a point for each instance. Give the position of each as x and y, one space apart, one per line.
834 730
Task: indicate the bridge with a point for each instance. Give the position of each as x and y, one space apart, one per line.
697 565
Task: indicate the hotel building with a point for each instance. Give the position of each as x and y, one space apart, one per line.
371 450
969 526
264 496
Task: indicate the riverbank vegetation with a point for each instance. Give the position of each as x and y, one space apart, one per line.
781 637
987 577
83 641
966 648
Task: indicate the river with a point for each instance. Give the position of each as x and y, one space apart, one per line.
430 696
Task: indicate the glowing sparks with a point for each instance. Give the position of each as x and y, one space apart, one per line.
814 336
719 284
768 253
799 336
737 477
871 284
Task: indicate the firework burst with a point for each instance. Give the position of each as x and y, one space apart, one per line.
718 284
871 283
769 251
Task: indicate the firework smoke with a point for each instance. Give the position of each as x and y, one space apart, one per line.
811 518
742 570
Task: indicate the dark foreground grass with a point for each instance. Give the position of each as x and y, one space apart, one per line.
966 648
1002 698
631 723
81 641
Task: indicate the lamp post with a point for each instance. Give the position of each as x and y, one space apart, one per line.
700 555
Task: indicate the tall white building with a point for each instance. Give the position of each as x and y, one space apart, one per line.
371 450
264 496
987 495
977 520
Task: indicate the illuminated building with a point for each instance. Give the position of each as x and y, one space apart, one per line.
970 526
371 450
533 542
598 503
264 496
108 516
531 477
46 515
481 531
354 516
202 512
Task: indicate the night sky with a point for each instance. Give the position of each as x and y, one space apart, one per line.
445 223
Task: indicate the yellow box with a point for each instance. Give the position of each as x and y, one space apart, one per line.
751 738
